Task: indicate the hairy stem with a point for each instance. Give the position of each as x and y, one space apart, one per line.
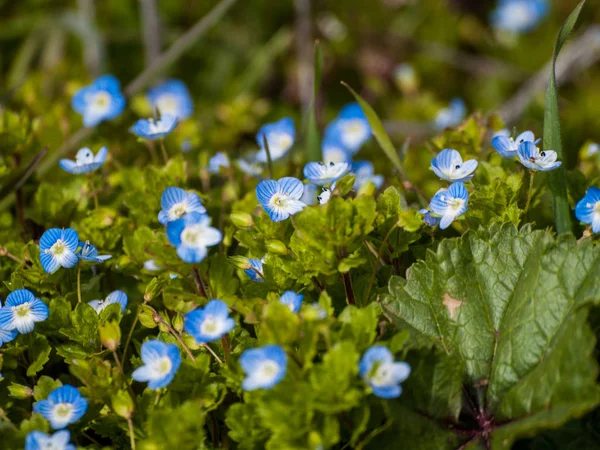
379 258
530 192
131 433
78 283
200 283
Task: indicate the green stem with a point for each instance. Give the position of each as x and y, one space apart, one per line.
78 283
379 253
163 149
93 191
131 433
268 152
530 192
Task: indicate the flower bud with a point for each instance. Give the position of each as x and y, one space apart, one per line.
178 323
242 219
241 262
20 391
277 247
110 335
122 404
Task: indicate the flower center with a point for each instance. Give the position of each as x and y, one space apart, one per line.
209 326
456 204
164 365
191 236
269 369
63 410
279 200
178 210
58 248
382 375
354 127
597 208
167 104
102 100
22 310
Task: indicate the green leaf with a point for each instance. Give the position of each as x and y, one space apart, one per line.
557 178
313 141
504 303
379 132
39 354
360 324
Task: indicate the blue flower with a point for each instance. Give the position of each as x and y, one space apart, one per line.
192 234
57 249
333 150
280 138
452 115
21 311
173 98
592 149
119 297
519 16
176 203
153 129
364 172
161 362
102 100
264 367
531 157
292 300
210 323
249 166
449 166
507 146
588 209
88 252
309 196
255 272
64 406
450 203
85 161
428 218
281 198
351 128
379 370
218 161
322 174
36 440
7 336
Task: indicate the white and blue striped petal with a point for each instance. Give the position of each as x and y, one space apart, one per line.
210 323
281 198
587 209
264 367
176 203
379 370
57 249
119 297
21 311
280 137
87 252
64 406
292 300
36 440
153 129
351 128
192 235
531 157
448 204
85 161
161 362
449 166
506 146
173 98
102 100
322 174
429 219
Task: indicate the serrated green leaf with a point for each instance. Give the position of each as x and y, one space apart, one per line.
502 302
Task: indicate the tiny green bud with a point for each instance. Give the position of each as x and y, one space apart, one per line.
277 247
178 323
241 262
146 316
122 404
19 391
110 335
242 219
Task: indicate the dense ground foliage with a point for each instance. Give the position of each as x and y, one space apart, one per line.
238 259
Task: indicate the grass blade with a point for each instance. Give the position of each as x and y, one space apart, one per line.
557 178
313 141
379 132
